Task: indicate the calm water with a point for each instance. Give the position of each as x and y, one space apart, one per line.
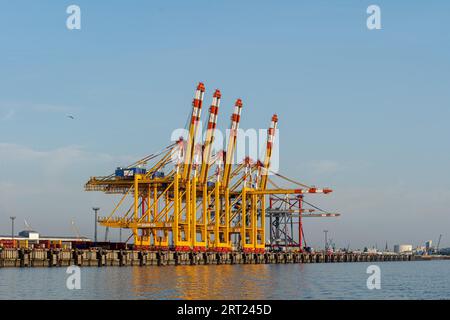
399 280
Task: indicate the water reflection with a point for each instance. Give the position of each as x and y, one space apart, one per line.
400 280
202 282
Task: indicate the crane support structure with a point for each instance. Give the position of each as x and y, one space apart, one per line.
178 199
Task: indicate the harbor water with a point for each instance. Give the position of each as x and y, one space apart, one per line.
399 280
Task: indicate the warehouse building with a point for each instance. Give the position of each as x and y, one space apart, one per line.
403 248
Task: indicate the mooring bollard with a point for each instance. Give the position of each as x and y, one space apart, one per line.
233 258
24 258
54 258
161 258
218 258
192 258
99 256
121 258
49 258
142 256
176 257
77 257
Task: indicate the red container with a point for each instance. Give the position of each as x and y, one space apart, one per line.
8 243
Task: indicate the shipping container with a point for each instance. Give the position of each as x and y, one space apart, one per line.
8 244
44 243
129 172
23 243
157 174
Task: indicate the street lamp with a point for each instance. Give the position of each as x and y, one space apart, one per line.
96 219
12 228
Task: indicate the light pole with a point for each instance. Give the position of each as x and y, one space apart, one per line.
326 240
12 228
96 218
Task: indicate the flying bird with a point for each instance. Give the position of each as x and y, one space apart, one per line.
70 116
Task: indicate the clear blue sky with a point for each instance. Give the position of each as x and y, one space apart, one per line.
364 112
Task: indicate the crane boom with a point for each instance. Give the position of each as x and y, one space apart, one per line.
75 229
106 233
212 122
439 242
195 118
235 119
264 171
27 225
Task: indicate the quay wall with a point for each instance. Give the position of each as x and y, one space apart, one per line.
103 258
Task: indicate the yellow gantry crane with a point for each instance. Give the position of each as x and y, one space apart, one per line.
186 198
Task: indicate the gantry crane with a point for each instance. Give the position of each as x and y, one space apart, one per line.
438 244
187 198
284 213
75 229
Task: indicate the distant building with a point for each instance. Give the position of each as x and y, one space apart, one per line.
429 244
372 250
29 234
403 248
420 250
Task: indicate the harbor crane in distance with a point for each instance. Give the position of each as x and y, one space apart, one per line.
439 242
75 229
284 213
27 225
106 233
187 198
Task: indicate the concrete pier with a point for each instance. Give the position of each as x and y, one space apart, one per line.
104 258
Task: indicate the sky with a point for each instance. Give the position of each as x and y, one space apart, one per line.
364 112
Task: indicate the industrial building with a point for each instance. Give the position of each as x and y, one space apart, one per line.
403 248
